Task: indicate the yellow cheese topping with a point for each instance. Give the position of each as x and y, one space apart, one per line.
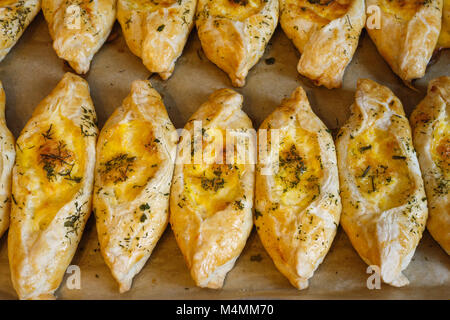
150 5
440 149
49 164
444 36
128 159
300 169
320 11
236 9
380 169
403 9
212 186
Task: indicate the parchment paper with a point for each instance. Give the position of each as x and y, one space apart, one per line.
31 71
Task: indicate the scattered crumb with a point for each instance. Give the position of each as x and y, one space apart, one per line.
270 60
256 257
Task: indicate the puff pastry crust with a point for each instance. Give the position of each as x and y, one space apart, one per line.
156 31
234 33
79 28
326 33
7 156
136 152
408 34
211 199
430 122
297 206
15 16
384 207
444 36
51 188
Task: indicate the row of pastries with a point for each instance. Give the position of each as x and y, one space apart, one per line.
235 33
383 179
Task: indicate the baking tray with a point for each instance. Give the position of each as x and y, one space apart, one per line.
32 69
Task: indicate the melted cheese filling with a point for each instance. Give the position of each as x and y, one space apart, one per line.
320 11
236 9
300 169
6 3
440 148
444 36
380 169
128 159
51 165
212 186
403 9
149 5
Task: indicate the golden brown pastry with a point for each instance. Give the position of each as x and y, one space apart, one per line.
234 33
430 122
136 152
157 30
326 33
408 34
51 188
297 205
384 207
212 196
15 16
444 36
7 156
79 28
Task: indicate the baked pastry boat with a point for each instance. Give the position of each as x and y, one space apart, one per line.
234 33
430 122
297 203
384 207
136 152
79 28
326 33
51 188
444 36
15 16
408 34
156 31
7 156
212 190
